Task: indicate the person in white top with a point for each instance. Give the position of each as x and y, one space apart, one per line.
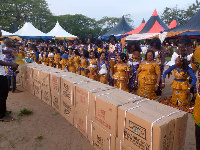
4 85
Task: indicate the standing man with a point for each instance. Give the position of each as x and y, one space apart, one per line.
4 85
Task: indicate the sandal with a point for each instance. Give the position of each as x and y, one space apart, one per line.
8 112
6 119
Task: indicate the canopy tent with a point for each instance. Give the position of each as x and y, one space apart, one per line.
59 33
5 33
28 31
154 24
121 28
138 29
192 25
195 33
174 23
141 36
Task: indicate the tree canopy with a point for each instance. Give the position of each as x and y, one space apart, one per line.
183 15
14 13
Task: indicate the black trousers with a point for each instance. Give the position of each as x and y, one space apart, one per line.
197 133
12 82
3 95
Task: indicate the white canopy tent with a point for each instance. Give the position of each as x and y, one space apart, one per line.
59 33
5 33
28 31
147 36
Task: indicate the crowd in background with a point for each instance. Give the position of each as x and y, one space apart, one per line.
107 62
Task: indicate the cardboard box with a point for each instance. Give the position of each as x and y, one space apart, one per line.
45 79
55 81
67 111
83 91
55 97
101 139
46 96
30 86
68 84
82 123
120 145
125 95
149 125
104 109
37 90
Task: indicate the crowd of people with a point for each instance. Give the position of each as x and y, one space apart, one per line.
109 63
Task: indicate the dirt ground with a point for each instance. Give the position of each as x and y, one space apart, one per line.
45 129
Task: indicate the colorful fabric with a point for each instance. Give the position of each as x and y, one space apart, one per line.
9 58
147 78
180 84
120 76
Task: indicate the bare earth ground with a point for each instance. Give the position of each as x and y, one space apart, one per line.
45 129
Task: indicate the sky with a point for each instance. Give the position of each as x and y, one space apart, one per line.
138 9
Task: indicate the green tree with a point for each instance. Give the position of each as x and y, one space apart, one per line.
79 25
183 15
19 11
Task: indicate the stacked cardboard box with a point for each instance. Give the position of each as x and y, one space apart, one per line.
148 125
109 118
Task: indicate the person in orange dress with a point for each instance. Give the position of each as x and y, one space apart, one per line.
195 63
148 76
77 60
181 86
93 62
70 64
63 61
84 63
121 77
50 57
57 58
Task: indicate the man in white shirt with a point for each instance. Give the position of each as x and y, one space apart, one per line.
4 85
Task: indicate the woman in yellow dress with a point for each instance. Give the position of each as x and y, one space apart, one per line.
57 58
51 57
180 85
195 63
70 65
63 61
121 77
77 60
84 63
148 75
93 62
103 68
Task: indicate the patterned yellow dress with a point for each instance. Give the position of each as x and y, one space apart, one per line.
77 61
147 78
93 69
121 76
180 85
50 59
83 66
63 62
70 65
57 60
196 67
45 60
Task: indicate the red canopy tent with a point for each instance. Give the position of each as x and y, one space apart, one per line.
174 23
154 24
138 29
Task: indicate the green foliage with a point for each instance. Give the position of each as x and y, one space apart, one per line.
39 137
19 11
25 112
183 15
